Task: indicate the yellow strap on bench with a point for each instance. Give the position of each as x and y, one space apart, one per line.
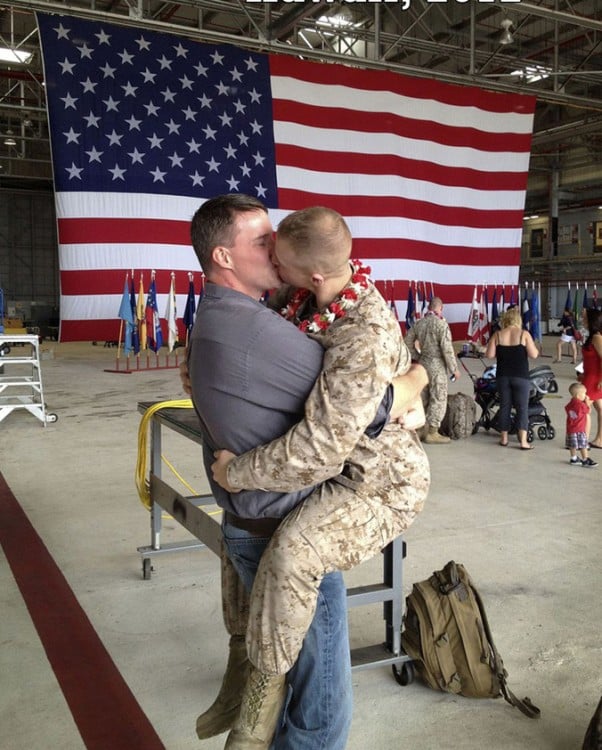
142 483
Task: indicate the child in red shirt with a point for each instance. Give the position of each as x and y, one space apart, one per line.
577 426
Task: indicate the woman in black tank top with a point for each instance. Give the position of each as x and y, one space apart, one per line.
512 347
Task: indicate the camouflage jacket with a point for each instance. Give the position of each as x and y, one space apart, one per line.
434 337
364 351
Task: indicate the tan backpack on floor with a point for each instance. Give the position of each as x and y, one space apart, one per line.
447 635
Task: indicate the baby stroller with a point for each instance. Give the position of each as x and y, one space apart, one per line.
542 381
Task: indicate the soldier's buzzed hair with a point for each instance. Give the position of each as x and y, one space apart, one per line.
213 224
320 238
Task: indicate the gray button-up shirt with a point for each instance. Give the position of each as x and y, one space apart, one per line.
251 372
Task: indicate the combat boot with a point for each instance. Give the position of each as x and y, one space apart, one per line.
262 702
434 436
222 714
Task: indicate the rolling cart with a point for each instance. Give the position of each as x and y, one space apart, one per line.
191 512
21 377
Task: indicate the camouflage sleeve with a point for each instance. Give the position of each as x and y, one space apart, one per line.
410 339
358 366
447 349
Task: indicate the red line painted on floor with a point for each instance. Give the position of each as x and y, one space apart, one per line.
107 714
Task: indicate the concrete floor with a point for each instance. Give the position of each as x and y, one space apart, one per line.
526 525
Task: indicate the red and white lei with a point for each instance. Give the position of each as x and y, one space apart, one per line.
338 308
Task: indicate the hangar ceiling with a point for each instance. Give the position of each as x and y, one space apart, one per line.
553 50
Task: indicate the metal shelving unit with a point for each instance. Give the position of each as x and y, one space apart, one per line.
21 377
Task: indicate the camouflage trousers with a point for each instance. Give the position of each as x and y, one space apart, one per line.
434 396
235 598
335 528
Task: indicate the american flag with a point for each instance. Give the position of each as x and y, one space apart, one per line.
145 126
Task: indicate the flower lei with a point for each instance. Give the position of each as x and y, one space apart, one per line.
338 308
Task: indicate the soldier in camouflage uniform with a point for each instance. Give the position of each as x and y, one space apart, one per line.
431 338
379 485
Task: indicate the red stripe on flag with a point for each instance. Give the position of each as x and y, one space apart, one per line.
286 110
408 209
110 281
347 163
390 249
90 330
417 88
91 231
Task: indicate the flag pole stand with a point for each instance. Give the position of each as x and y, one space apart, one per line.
150 367
118 369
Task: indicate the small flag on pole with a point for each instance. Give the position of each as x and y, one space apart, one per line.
154 335
190 309
495 322
135 332
127 315
391 299
141 314
526 310
473 319
418 308
534 308
576 308
484 315
411 308
171 316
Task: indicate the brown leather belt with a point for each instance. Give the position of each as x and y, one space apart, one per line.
255 526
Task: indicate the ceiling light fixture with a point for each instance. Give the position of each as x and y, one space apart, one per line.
9 140
506 36
7 54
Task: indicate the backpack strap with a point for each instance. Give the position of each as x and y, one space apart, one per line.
524 705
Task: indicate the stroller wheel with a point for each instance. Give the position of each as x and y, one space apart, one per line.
551 433
542 432
530 435
475 428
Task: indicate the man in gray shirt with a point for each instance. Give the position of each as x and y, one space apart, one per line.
250 373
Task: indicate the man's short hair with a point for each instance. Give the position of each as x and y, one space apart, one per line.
436 303
213 223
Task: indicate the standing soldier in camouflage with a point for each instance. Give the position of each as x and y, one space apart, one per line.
379 484
431 338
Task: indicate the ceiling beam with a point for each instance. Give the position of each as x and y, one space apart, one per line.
556 15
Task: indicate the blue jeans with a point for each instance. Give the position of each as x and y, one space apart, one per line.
317 715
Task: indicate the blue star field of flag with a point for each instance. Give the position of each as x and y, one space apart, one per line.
144 112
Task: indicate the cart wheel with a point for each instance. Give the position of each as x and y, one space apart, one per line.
52 417
542 433
530 435
404 673
147 568
551 433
